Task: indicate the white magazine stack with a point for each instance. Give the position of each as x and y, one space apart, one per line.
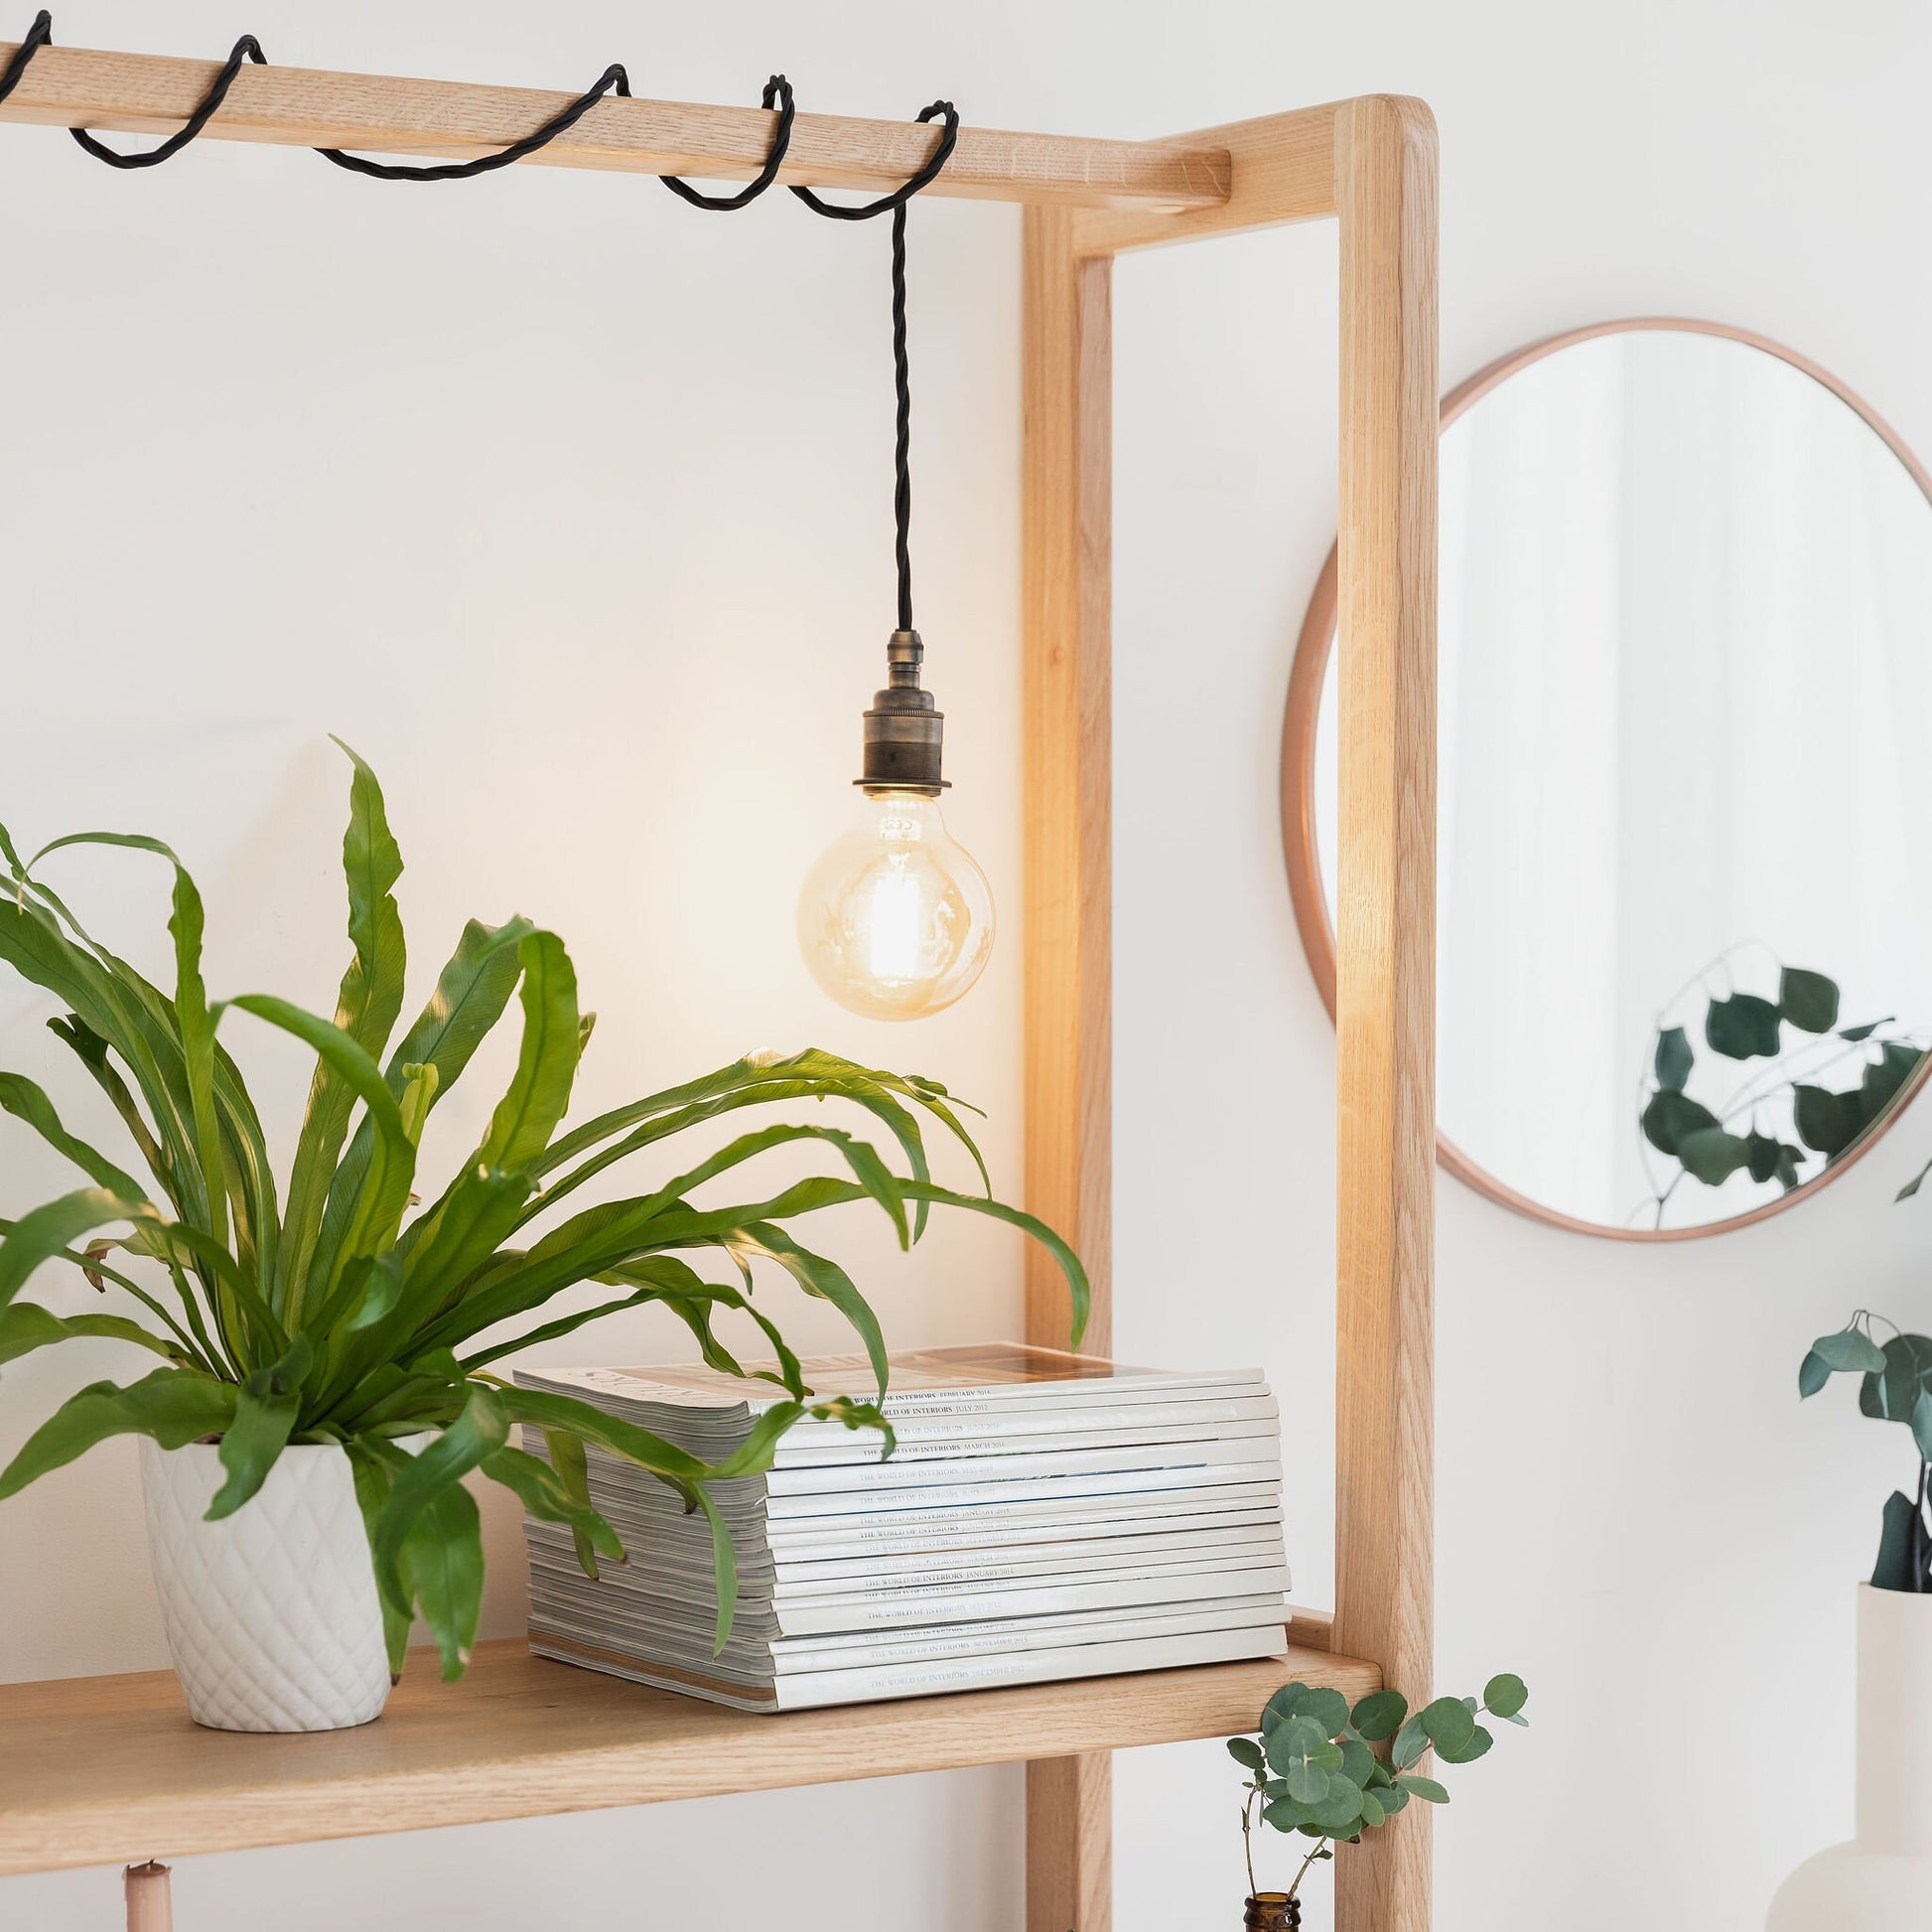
1044 1516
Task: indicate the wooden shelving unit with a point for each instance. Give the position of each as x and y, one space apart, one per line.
105 1769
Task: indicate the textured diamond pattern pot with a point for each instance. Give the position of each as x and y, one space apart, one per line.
271 1613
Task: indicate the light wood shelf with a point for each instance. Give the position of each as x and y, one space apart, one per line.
106 1770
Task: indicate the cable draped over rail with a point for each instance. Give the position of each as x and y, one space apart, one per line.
613 79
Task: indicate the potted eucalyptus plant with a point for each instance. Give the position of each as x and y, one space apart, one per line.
1883 1875
326 1342
1315 1770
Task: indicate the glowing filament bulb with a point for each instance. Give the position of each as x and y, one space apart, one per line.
896 920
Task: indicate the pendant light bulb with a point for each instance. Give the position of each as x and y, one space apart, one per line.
896 920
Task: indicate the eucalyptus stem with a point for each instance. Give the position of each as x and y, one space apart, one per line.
1305 1863
1248 1836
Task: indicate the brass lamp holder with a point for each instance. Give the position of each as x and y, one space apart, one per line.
903 731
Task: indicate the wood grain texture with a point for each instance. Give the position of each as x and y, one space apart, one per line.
1385 194
1070 1844
1282 167
141 94
1067 570
1068 594
1310 1629
101 1770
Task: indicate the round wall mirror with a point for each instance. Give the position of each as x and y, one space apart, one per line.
1685 822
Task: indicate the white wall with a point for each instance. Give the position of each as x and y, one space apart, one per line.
567 504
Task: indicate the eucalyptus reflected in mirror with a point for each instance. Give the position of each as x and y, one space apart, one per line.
1685 887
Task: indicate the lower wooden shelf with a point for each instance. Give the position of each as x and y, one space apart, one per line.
108 1770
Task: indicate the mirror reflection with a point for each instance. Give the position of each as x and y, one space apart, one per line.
1686 883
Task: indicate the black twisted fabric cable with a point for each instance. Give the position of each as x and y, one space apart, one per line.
779 90
247 48
906 188
901 364
613 76
40 34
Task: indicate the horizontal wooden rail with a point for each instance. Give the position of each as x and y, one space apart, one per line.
1282 167
145 93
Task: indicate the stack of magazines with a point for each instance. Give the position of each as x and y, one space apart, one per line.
1043 1516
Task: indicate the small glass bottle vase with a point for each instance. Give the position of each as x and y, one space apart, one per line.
1273 1911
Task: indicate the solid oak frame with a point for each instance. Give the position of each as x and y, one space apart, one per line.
1302 717
1371 163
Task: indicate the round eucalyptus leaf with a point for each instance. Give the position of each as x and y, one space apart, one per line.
1290 1742
1372 1812
1340 1810
1380 1715
1327 1707
1283 1705
1479 1743
1826 1122
1307 1784
1505 1694
1808 1000
1670 1116
1284 1815
1713 1155
1742 1028
1448 1722
1244 1751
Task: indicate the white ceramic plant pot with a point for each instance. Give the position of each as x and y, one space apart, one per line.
271 1613
1883 1878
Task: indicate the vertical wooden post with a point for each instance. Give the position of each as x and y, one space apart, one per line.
150 1907
1385 196
1066 589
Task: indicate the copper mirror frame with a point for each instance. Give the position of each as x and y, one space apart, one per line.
1313 651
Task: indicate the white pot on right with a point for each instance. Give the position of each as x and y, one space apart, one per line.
1883 1878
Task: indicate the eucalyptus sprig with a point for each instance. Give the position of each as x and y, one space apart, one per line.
1895 1385
1315 1769
359 1306
1775 1119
